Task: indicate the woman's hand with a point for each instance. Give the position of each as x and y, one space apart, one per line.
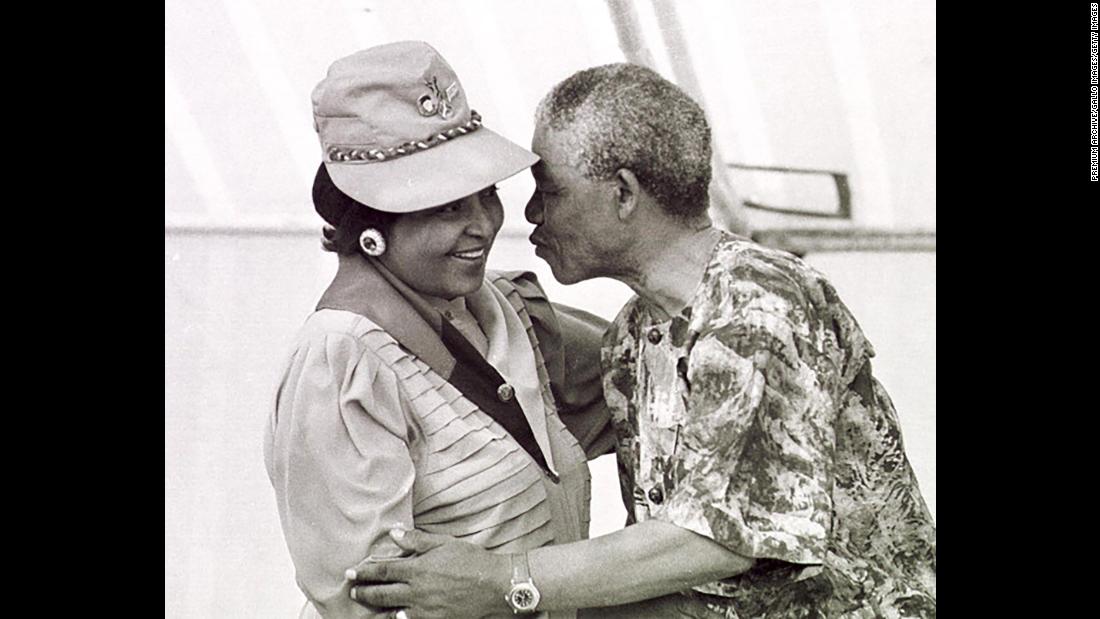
445 578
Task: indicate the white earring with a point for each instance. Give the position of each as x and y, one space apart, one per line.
372 242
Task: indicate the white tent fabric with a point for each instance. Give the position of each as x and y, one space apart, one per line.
839 85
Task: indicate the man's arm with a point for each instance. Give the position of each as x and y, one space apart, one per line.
457 579
570 340
639 562
581 404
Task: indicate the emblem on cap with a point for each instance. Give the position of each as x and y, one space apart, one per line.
426 105
438 101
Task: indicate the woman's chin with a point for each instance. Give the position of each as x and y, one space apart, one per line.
465 285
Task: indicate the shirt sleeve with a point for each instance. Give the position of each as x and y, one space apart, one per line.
754 465
340 464
570 339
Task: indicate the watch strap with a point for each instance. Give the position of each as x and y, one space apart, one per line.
523 597
521 571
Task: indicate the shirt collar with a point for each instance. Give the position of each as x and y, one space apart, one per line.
366 287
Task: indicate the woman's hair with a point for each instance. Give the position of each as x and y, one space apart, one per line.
347 218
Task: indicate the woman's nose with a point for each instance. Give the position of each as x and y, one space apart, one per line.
533 211
481 220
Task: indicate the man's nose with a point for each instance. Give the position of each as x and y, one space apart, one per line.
533 210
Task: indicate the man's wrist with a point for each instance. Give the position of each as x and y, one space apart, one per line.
523 596
500 580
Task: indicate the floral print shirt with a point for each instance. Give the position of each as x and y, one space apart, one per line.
752 418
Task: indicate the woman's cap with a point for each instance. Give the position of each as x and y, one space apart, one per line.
397 132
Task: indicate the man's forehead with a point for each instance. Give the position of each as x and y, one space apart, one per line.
547 165
549 171
552 145
554 164
559 156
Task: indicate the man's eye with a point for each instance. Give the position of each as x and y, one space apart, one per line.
453 207
488 192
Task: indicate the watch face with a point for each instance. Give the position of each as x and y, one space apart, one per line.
524 597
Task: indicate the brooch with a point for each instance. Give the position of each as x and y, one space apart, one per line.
438 101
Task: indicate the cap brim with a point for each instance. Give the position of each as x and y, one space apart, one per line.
438 175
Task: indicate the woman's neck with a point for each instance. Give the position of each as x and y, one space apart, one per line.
446 307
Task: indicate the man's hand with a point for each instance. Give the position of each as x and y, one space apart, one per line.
444 578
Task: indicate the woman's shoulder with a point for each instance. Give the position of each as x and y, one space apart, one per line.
345 333
326 324
523 283
525 294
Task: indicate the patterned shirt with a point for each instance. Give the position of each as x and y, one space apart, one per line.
752 418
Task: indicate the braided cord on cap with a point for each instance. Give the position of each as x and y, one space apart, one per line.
359 154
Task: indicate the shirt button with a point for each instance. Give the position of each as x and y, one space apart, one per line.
449 315
654 336
505 392
656 495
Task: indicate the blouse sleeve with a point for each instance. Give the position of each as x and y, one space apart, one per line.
569 339
756 452
340 463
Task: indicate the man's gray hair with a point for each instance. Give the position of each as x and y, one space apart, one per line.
626 116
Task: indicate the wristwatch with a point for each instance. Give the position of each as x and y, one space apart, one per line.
523 597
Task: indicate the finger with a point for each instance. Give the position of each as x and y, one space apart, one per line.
381 570
418 542
365 611
396 595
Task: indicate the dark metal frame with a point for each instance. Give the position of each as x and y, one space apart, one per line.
840 180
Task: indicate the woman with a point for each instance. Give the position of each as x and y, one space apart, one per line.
421 392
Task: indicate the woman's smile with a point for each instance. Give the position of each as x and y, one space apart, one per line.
443 251
473 255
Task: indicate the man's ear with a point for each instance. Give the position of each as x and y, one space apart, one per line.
627 193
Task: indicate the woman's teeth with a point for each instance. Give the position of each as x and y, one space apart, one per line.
470 255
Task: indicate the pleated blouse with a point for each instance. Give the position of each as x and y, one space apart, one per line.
366 436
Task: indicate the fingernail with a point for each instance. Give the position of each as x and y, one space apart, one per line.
397 533
350 574
354 591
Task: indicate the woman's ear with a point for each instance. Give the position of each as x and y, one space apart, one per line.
627 193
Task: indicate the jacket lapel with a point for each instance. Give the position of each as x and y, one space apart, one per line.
366 287
363 289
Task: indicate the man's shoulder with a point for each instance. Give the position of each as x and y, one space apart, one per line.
747 260
742 270
779 292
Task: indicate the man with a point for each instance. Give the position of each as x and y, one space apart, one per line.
760 461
